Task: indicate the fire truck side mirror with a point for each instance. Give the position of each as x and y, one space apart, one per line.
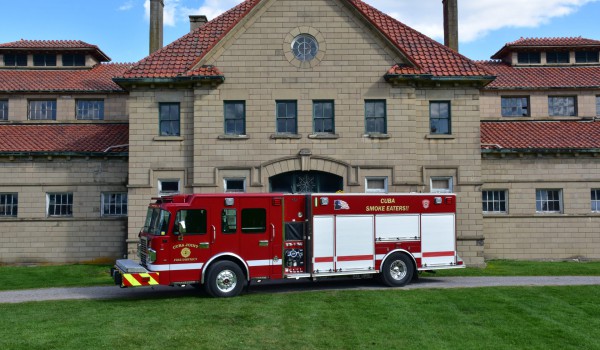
180 228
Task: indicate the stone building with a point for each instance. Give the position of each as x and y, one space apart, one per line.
281 95
63 153
540 137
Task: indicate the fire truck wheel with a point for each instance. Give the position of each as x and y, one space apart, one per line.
224 279
397 270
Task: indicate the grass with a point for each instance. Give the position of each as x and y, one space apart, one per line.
29 277
481 318
527 268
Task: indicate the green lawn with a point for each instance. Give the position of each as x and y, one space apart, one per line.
479 318
28 277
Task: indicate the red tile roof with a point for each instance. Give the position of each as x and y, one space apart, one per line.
63 138
430 57
97 79
531 43
543 77
178 58
55 45
540 135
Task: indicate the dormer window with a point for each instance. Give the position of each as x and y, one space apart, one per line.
586 56
73 60
44 60
15 60
529 57
557 57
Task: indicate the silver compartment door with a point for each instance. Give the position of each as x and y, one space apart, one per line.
438 240
354 243
323 244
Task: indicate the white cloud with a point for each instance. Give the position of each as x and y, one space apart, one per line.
210 8
477 17
126 6
170 13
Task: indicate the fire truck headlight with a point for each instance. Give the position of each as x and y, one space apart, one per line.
151 256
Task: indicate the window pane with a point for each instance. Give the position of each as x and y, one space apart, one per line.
235 118
194 220
561 106
286 117
235 185
90 110
169 119
493 201
228 221
9 204
557 57
114 204
42 110
3 109
439 117
548 201
515 106
323 117
375 117
60 204
254 220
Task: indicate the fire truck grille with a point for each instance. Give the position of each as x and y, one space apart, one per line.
143 251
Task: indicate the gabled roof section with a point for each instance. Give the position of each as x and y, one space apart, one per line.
178 60
55 45
100 139
542 77
97 79
546 43
534 136
429 56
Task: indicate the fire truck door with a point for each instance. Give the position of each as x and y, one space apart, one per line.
189 250
260 232
438 239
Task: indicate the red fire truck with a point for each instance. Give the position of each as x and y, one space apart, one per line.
225 241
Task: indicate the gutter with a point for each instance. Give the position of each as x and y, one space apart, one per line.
179 79
64 154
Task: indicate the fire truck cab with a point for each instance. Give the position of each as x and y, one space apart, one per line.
225 241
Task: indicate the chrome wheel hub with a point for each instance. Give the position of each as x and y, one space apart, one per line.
398 270
226 281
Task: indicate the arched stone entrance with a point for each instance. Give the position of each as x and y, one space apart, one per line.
306 182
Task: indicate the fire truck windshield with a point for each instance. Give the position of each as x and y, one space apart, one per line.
157 221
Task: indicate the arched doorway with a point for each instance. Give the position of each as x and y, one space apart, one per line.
306 182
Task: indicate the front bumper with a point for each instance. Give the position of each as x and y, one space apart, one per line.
128 273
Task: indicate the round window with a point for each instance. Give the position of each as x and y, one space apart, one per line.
305 47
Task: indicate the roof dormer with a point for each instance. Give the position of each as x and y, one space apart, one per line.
50 54
550 52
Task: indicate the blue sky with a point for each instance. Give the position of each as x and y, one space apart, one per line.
120 27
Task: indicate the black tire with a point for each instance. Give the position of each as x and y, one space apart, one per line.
397 270
224 279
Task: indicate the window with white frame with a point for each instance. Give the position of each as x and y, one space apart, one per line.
234 185
168 187
376 185
90 110
114 204
9 204
59 204
494 201
596 200
441 185
548 201
42 110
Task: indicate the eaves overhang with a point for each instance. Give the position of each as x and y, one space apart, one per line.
500 150
481 80
125 82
